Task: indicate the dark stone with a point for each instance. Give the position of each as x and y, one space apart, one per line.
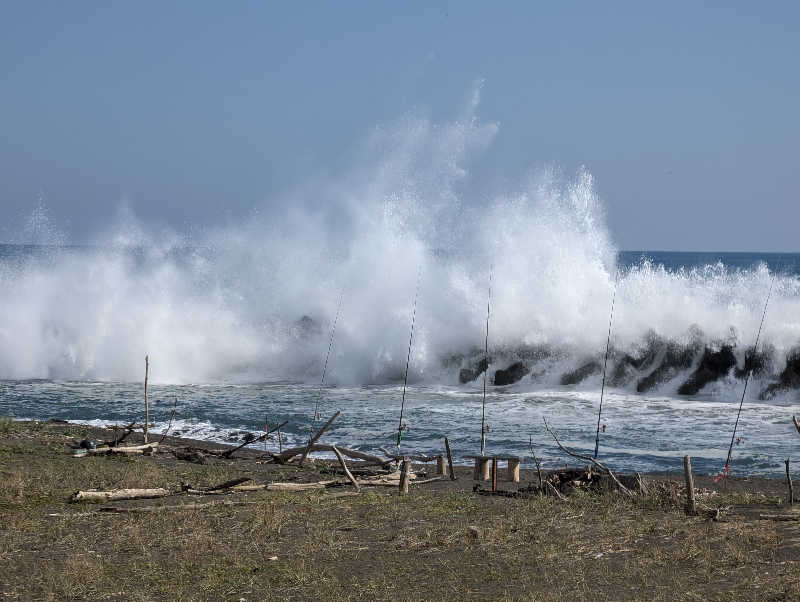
713 366
676 358
88 444
469 374
510 375
581 373
755 363
789 377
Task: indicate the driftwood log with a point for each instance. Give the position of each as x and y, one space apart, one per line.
288 454
118 494
131 450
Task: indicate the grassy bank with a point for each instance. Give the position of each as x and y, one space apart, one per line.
440 542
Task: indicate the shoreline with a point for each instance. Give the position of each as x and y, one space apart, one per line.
441 541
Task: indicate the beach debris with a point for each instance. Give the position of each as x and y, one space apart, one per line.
135 450
325 427
250 438
691 505
403 484
594 461
287 455
146 402
118 494
449 459
344 467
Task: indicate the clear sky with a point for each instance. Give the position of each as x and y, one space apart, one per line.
196 112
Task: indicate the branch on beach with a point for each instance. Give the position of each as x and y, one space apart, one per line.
288 454
169 426
313 439
251 438
344 467
594 461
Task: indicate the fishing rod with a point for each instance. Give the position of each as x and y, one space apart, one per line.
605 366
486 359
400 426
327 356
746 380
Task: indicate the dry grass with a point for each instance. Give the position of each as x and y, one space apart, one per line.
376 546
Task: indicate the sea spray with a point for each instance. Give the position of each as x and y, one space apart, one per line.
250 301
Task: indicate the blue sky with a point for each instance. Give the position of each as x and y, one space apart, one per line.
193 113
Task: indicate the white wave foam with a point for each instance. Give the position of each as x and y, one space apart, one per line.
225 304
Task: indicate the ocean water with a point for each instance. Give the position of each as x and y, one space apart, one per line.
238 319
643 431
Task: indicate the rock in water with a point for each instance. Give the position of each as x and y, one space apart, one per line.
510 375
580 374
713 366
469 374
789 378
675 359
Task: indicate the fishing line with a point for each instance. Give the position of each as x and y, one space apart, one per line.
746 380
408 360
327 356
605 366
486 359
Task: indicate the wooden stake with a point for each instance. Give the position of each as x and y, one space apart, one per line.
691 507
146 404
280 440
449 459
494 474
440 467
789 481
404 476
313 439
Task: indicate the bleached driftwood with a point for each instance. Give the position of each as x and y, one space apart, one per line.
135 450
350 453
298 486
118 494
344 467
